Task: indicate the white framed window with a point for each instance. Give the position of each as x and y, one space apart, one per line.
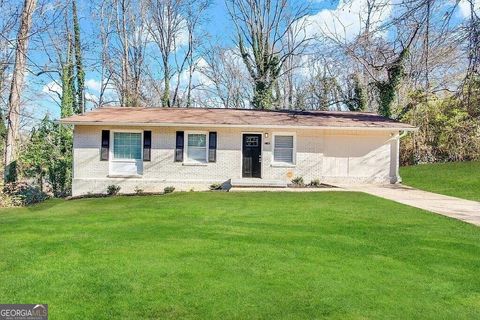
284 149
196 147
127 145
126 153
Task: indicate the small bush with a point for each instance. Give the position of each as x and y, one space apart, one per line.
169 189
315 183
113 189
21 194
298 181
216 186
8 201
138 190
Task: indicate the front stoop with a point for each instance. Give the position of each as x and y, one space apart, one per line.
257 183
260 185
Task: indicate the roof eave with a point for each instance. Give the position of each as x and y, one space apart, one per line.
199 125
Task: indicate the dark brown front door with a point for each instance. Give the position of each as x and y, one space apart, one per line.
252 156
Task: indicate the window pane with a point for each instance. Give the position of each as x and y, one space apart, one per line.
197 147
283 155
283 149
284 142
197 140
127 145
197 154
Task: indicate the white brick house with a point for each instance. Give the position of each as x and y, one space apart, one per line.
151 148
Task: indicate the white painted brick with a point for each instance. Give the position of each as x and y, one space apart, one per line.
328 155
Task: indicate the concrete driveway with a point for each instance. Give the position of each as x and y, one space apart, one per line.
465 210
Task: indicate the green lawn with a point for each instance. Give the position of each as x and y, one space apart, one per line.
239 255
458 179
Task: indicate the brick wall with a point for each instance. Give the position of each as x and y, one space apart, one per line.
329 155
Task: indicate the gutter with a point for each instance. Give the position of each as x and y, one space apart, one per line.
197 125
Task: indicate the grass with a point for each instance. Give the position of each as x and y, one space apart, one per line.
335 255
458 179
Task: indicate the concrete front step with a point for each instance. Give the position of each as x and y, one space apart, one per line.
257 183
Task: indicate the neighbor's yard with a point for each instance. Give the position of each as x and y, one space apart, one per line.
458 179
245 255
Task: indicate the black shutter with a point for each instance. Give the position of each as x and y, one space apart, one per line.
105 145
147 145
179 147
212 147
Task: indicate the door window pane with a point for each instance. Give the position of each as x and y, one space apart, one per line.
251 142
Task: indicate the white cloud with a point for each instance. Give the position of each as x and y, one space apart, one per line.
91 97
181 36
94 88
93 84
52 87
345 22
464 7
197 76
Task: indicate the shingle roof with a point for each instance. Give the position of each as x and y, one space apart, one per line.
234 118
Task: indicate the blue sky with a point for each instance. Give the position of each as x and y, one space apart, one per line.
218 26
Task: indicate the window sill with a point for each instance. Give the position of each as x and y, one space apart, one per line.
283 165
126 160
193 164
124 176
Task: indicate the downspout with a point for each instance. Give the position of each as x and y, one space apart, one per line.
397 178
403 134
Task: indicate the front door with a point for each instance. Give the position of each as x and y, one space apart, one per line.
252 156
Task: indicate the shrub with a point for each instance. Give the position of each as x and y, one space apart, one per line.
169 189
216 186
447 132
298 181
113 189
8 201
21 193
315 183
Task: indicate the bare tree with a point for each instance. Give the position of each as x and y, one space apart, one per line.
383 59
229 85
16 89
7 25
473 40
80 72
471 83
174 26
268 33
123 37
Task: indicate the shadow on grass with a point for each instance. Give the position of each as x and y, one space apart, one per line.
47 204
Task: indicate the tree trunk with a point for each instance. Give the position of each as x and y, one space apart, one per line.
166 89
80 94
125 59
13 116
